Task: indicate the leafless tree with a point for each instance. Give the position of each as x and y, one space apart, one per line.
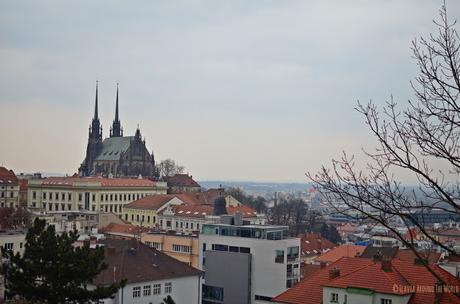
418 140
169 167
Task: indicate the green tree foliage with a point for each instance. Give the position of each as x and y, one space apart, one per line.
330 233
52 270
168 300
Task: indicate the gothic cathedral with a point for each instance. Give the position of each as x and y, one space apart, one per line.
117 155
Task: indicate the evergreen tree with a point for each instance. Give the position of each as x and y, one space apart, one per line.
52 270
168 300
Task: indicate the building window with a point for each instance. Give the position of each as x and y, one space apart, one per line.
137 292
79 197
385 301
56 196
148 218
157 289
62 196
168 287
69 196
213 293
197 226
147 291
8 246
94 197
34 195
334 297
181 248
168 223
279 258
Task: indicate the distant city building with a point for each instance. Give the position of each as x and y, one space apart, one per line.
247 263
335 254
313 245
9 188
82 221
89 193
150 275
181 246
117 155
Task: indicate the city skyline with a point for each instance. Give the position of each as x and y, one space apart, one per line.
241 91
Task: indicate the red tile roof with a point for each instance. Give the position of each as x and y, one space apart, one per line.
181 180
7 177
204 210
314 244
341 251
121 228
104 182
407 255
150 202
365 273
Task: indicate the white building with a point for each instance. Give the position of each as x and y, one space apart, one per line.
150 275
89 193
247 263
13 240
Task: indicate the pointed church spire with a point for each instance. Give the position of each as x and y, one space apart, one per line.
116 106
116 130
95 104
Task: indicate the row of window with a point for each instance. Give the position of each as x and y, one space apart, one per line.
335 299
10 246
147 290
141 218
3 194
155 245
181 248
112 197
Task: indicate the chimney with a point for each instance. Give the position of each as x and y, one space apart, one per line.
386 264
334 273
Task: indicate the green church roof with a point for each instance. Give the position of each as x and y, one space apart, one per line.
113 147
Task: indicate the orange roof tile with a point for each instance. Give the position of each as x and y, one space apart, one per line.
335 254
181 180
7 177
150 202
314 244
365 273
104 182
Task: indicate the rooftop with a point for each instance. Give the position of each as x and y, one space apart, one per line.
366 274
7 177
94 181
267 232
135 262
341 251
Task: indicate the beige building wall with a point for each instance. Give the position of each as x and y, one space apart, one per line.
184 248
72 197
141 217
9 195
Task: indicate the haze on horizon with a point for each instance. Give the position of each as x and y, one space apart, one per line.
259 90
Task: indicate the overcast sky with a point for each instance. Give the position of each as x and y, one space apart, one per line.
234 90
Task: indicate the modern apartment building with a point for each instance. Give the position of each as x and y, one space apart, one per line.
247 263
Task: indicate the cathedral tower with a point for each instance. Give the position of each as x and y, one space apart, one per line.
94 140
116 130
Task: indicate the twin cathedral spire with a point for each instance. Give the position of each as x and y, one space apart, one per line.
96 129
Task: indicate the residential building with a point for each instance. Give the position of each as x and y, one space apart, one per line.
189 218
181 183
144 212
247 263
181 246
13 240
150 275
121 231
89 193
9 188
366 281
82 221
